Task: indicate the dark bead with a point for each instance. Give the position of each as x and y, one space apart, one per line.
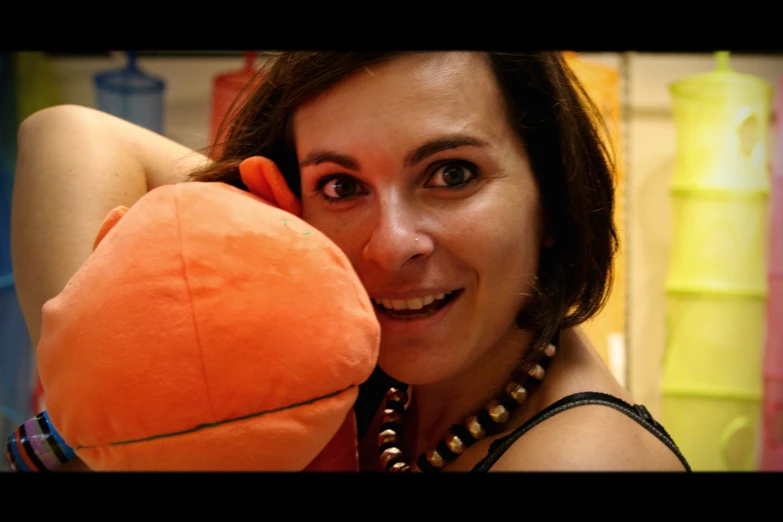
463 433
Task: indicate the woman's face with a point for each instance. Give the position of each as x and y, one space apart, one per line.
412 169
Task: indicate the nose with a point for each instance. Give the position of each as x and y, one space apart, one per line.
397 236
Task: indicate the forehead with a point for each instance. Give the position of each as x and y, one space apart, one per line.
415 97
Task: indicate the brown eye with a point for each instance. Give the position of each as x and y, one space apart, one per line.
452 175
340 188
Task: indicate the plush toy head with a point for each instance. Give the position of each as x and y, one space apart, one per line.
209 330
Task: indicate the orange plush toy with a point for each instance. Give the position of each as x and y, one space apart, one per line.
211 329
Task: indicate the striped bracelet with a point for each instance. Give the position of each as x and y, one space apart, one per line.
36 446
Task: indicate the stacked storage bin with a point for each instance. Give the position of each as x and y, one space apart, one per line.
132 94
717 282
772 442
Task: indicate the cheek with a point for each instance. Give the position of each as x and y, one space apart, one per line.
516 255
506 241
344 230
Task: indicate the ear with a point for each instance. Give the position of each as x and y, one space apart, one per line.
264 179
112 219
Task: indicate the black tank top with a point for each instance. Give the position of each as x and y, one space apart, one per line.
372 392
636 412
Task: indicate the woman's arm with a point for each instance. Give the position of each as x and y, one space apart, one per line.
74 165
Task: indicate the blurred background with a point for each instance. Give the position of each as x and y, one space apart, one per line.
694 326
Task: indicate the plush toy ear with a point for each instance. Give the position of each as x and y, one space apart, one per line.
112 219
264 179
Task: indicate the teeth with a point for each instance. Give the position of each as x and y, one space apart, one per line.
417 303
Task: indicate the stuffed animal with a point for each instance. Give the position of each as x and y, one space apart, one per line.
211 329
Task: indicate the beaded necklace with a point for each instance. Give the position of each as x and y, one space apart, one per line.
459 437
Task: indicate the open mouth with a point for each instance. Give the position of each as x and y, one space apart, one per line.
417 308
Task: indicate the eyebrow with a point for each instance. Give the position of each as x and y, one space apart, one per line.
412 158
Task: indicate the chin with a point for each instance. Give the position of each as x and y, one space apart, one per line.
417 367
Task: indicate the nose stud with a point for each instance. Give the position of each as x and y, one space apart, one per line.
417 238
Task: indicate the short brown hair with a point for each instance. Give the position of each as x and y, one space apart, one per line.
549 111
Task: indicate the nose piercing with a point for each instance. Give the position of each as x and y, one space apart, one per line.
417 238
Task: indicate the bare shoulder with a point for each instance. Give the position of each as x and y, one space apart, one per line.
589 438
586 437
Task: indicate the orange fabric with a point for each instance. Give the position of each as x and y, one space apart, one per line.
203 305
280 441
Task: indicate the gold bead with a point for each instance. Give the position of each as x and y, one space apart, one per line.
391 416
389 455
395 395
397 466
387 436
434 458
537 372
497 411
550 350
474 427
517 392
454 443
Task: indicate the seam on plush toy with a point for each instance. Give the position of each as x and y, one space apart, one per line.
216 424
190 300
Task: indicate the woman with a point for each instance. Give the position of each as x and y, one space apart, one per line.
473 196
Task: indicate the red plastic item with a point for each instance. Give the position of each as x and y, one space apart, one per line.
226 89
772 442
772 445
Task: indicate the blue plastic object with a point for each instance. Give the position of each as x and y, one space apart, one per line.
132 95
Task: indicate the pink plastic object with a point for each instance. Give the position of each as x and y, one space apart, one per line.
772 443
226 89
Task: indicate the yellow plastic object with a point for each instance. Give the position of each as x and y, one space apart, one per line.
719 244
36 84
713 346
722 121
723 430
716 285
602 84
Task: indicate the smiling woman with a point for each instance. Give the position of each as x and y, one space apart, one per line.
473 197
401 140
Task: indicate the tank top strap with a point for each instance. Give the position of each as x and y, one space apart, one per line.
636 412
